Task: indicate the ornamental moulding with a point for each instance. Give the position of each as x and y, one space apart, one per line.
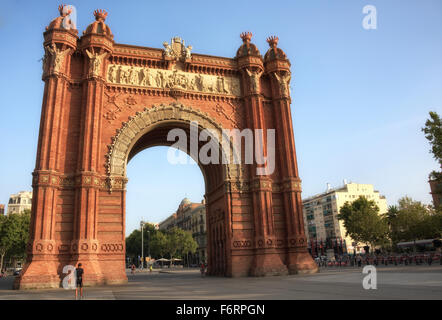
173 79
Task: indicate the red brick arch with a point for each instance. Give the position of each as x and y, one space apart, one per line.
104 102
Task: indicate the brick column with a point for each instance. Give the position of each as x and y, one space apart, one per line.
44 261
266 260
85 245
278 68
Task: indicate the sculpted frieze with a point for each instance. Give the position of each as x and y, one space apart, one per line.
173 79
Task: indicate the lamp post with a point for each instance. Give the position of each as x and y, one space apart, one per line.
148 244
142 244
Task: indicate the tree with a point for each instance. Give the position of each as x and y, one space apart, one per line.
14 235
415 221
433 133
133 244
158 244
188 244
133 241
176 242
173 241
363 223
180 242
391 218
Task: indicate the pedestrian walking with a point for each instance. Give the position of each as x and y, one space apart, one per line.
150 268
203 269
132 268
79 275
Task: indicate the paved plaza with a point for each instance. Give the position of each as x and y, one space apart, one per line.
395 282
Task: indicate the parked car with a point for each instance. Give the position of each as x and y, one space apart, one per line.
17 271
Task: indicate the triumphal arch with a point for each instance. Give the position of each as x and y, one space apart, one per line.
104 102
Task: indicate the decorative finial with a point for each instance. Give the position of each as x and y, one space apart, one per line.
246 36
63 12
100 14
273 41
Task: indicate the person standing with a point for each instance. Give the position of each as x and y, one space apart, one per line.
203 269
79 275
133 268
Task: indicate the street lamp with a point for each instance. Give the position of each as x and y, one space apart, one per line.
148 244
142 244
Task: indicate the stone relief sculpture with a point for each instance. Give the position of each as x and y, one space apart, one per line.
177 50
187 52
167 49
133 76
146 78
58 56
221 86
284 83
112 74
254 80
199 81
95 63
173 79
45 59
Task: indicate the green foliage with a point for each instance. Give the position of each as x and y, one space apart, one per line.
14 235
133 241
158 244
363 223
414 221
133 244
180 243
433 133
175 243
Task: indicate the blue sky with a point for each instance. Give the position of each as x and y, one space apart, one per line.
359 97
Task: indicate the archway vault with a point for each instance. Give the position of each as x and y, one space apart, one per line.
92 86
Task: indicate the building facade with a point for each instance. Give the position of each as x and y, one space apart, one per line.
322 227
20 202
190 217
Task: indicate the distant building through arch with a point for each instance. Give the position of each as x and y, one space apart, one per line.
190 216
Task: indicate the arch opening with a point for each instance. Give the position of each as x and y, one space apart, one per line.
215 175
156 192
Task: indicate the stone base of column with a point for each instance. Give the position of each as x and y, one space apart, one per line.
38 275
301 263
114 271
240 266
93 275
267 264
